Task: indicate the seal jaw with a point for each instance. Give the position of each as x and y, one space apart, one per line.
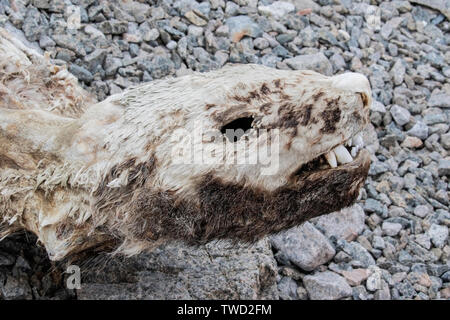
246 214
242 213
355 170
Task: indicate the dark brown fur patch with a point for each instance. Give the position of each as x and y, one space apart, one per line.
138 173
254 95
290 116
233 211
6 162
262 93
289 120
265 89
277 83
65 229
356 115
209 106
242 99
365 99
331 116
317 95
306 114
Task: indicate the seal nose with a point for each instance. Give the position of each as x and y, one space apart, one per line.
355 82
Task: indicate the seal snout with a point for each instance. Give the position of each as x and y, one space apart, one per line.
355 82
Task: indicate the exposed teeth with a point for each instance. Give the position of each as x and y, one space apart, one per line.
331 158
342 155
358 141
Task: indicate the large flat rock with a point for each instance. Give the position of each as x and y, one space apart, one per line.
442 6
175 271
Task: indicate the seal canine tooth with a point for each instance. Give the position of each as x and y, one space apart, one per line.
358 141
354 151
342 155
331 159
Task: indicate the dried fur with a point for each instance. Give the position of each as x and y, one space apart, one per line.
83 175
29 81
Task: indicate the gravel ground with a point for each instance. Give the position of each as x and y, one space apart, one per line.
394 243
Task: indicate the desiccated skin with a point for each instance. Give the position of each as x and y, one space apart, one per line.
84 175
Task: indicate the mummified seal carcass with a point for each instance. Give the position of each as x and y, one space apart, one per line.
84 175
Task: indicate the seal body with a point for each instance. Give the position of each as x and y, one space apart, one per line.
236 153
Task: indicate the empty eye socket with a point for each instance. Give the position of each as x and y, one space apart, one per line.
235 129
